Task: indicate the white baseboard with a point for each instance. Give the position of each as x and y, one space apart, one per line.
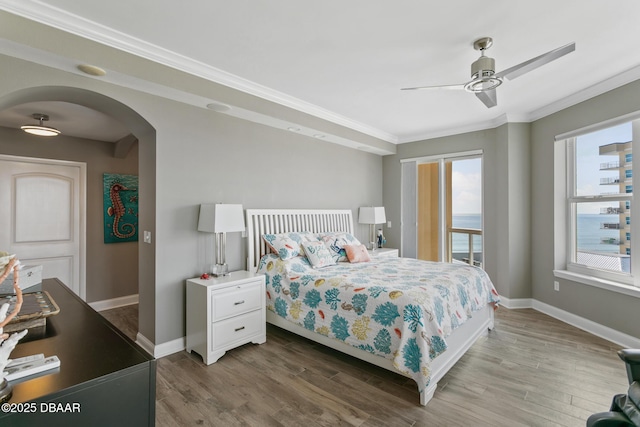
114 303
163 349
590 326
587 325
516 302
145 343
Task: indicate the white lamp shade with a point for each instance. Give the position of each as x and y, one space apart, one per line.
219 218
372 215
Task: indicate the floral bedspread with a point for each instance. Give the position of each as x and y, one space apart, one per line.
398 308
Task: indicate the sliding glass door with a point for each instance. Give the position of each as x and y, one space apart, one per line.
442 208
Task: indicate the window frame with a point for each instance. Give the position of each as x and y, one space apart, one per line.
619 281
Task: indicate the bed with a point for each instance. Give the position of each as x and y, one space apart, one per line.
412 317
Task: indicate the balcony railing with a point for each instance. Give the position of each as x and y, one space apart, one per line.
609 165
609 181
610 241
610 226
470 232
611 211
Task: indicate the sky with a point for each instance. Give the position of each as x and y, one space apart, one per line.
466 183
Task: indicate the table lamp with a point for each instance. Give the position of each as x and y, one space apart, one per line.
372 216
221 219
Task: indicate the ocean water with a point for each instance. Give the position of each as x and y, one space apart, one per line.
461 241
589 232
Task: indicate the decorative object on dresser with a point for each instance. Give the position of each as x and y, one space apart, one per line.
9 263
30 275
221 219
372 216
36 308
224 313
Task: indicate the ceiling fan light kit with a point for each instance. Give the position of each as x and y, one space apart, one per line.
484 79
40 129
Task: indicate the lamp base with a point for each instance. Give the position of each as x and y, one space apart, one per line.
220 270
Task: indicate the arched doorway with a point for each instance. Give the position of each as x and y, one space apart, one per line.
144 133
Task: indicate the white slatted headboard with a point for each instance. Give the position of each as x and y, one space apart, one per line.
273 221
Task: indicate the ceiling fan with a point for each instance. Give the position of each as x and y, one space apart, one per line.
484 79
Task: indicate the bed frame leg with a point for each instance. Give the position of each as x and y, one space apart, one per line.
427 394
491 320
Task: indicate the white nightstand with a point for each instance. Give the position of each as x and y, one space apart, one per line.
224 313
383 252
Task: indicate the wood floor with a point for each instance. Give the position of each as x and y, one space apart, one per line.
530 370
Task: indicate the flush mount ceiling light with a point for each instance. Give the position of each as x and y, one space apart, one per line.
217 106
40 129
92 70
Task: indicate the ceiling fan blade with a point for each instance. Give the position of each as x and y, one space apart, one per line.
488 97
454 87
520 69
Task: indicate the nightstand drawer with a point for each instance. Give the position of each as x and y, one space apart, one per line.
237 328
237 300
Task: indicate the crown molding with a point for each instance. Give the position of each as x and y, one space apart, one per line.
599 88
457 130
57 18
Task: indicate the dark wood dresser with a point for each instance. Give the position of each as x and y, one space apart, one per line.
106 377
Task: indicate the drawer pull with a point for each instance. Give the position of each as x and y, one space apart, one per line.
238 303
239 329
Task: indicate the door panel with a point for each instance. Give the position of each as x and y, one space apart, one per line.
41 208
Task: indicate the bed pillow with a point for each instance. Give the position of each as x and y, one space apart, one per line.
287 245
318 254
357 253
335 242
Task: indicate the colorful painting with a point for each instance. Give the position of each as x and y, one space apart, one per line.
120 208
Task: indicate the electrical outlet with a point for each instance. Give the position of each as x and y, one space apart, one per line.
556 285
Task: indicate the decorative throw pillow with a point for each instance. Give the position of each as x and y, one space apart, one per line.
357 253
318 254
287 245
335 242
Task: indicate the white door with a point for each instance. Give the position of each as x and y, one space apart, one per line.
42 205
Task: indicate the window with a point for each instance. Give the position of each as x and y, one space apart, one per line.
599 202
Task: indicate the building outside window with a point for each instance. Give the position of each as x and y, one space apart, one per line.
599 201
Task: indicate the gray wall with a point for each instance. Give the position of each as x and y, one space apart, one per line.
112 269
608 308
198 156
506 188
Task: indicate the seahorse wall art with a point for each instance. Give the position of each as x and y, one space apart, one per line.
120 208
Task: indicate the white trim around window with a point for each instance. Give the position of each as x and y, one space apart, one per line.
566 202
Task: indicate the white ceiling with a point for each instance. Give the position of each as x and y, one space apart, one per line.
346 61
